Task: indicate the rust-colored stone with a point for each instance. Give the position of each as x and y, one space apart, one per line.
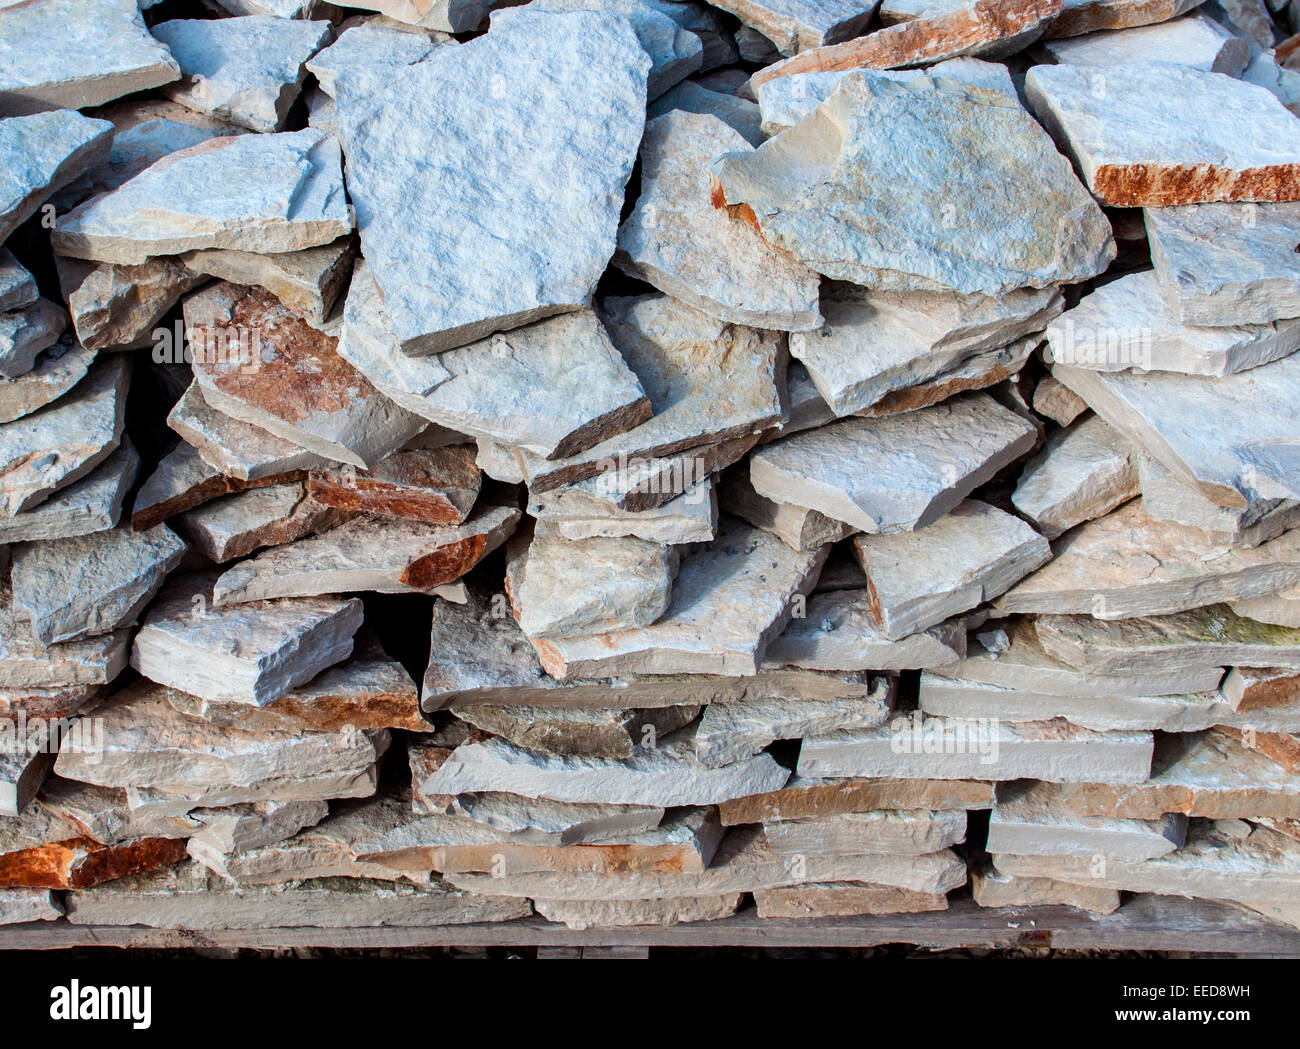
1147 186
81 862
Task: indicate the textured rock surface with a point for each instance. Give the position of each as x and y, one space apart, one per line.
247 70
290 197
1056 402
913 833
1218 264
803 798
54 372
261 364
1133 154
434 485
583 914
543 221
366 46
579 732
971 555
1197 41
796 526
308 282
798 25
895 473
691 96
17 287
118 307
1056 233
843 899
678 241
1088 16
27 905
235 525
70 54
41 153
691 517
387 555
90 505
1031 820
251 653
72 436
994 888
922 33
25 333
1083 472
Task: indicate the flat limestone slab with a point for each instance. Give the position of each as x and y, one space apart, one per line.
25 333
581 732
1030 820
875 344
27 905
263 365
73 436
678 241
730 599
602 914
146 742
803 798
1135 145
366 46
252 653
42 152
856 136
17 287
1229 436
1127 564
1197 41
667 775
969 556
119 307
1262 868
1089 16
290 197
1127 324
1082 473
25 664
843 899
1219 266
881 833
1259 688
41 852
692 97
554 387
799 25
922 33
247 70
1212 635
1210 775
66 589
994 888
1282 608
423 146
840 632
235 525
896 473
55 371
691 517
231 448
914 747
384 555
796 526
1054 401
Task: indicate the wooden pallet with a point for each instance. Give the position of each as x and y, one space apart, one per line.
1144 923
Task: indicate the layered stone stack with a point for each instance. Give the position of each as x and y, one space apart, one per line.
795 427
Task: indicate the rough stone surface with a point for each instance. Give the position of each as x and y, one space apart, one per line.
235 525
795 189
806 798
691 96
1082 473
1197 41
584 914
906 833
580 732
799 25
252 653
796 526
55 371
26 333
1056 402
92 504
290 197
895 473
119 307
17 287
993 888
678 241
367 46
1089 16
247 70
1132 153
969 556
844 899
435 485
308 282
499 246
29 905
691 517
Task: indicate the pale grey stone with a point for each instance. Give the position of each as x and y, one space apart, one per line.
798 25
449 16
732 596
290 196
72 588
1132 153
580 732
1030 820
234 525
1089 16
24 664
1279 81
66 440
1197 41
843 899
969 556
731 732
26 333
258 362
1230 436
56 370
364 46
895 473
1042 229
796 526
251 653
381 555
118 307
554 387
308 282
754 47
1226 264
692 97
90 505
678 241
991 887
1053 401
1126 324
247 70
1282 609
1084 471
838 631
69 54
918 747
915 832
17 287
22 769
537 821
877 343
242 828
544 218
604 914
1126 564
31 905
691 517
154 806
234 448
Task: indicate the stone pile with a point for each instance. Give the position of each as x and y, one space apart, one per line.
821 456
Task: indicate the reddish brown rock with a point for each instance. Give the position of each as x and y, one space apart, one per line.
1280 747
434 485
39 852
803 798
1261 688
844 899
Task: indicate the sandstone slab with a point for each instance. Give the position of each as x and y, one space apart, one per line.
119 307
994 888
17 287
235 525
54 372
1196 41
803 798
437 486
796 526
570 732
898 833
26 333
691 517
1089 16
804 24
27 905
1031 820
584 914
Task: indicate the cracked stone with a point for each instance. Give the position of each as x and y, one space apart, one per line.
119 307
235 525
691 517
435 485
55 371
580 732
796 526
25 334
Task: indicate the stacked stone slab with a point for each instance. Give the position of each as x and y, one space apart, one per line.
789 431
